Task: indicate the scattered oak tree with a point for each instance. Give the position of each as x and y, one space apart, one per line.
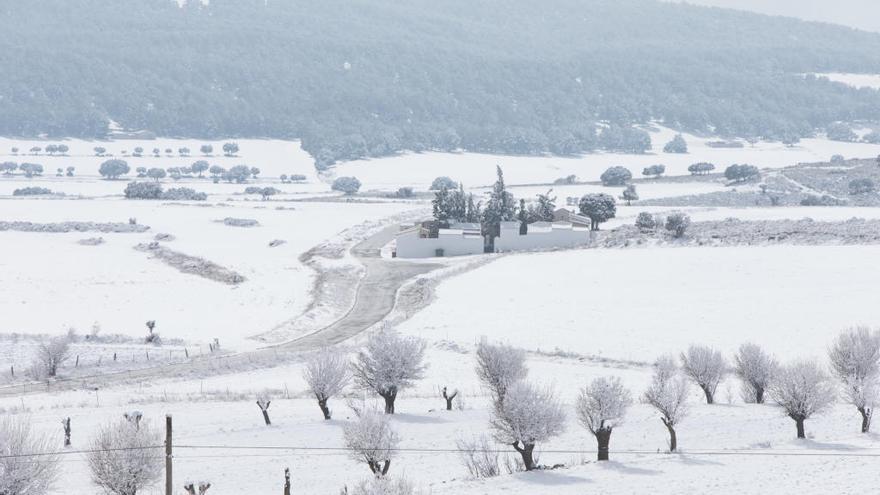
701 168
598 208
389 363
601 407
677 145
615 176
443 182
113 169
654 171
346 185
678 223
630 194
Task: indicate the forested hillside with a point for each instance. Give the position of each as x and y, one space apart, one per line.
359 78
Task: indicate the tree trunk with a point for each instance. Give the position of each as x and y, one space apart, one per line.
603 437
710 399
526 451
379 469
866 418
389 401
324 409
266 417
673 441
759 395
799 422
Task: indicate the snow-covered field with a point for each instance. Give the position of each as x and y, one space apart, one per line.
580 314
855 80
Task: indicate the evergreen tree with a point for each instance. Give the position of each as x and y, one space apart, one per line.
545 207
441 206
473 212
500 208
523 218
457 204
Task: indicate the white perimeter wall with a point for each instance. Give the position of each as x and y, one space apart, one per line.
410 245
510 240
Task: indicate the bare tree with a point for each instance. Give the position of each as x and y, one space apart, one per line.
756 369
21 476
372 440
668 395
527 415
498 367
51 355
263 403
449 397
706 367
601 407
389 363
191 487
134 417
802 389
123 459
479 456
855 361
383 485
326 373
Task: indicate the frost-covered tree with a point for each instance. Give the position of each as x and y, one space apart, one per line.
501 207
668 395
498 367
125 460
855 361
381 485
630 194
598 207
20 475
156 173
544 208
677 145
756 369
615 176
527 416
741 173
346 185
326 373
113 169
371 440
645 222
199 167
51 355
701 168
601 407
389 363
654 171
216 171
802 389
706 367
229 149
443 182
678 222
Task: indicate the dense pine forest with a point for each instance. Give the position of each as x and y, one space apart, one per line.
356 78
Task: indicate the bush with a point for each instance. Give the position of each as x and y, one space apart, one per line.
347 185
297 178
238 174
240 222
113 169
824 200
654 170
678 223
443 182
143 190
677 145
31 191
701 168
568 180
183 194
741 173
404 192
616 176
861 186
841 132
838 159
645 221
265 192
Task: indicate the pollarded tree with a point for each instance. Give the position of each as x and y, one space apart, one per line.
113 169
326 373
855 361
802 389
199 167
498 367
756 369
527 416
654 171
601 407
346 185
598 207
441 182
389 363
615 176
371 439
27 464
630 194
677 145
124 459
706 367
668 395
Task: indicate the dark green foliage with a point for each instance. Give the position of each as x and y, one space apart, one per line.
113 169
624 139
500 208
598 207
441 182
741 173
677 145
824 200
264 192
654 171
615 176
861 186
347 185
701 168
523 217
31 191
376 77
841 132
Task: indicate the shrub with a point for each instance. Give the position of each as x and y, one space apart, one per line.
443 182
824 200
645 221
838 159
568 180
841 132
701 168
404 192
678 223
31 191
615 176
741 173
479 456
654 170
861 186
143 190
677 145
123 458
183 194
347 185
297 178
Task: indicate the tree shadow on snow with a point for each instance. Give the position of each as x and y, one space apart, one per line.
694 460
415 419
623 468
813 444
551 477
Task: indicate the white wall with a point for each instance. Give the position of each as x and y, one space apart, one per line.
510 240
410 245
